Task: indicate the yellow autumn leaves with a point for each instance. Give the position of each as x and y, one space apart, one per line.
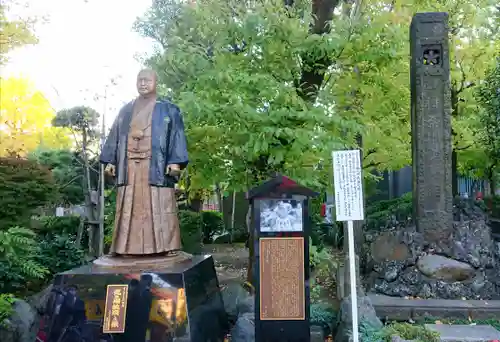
26 120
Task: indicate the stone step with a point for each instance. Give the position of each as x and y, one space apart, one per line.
465 333
401 309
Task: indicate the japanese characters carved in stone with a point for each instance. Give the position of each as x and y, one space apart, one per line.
431 125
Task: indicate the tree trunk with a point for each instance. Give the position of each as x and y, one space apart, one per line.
220 200
233 214
93 226
454 173
79 233
251 246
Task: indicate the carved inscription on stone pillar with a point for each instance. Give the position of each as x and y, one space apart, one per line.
431 125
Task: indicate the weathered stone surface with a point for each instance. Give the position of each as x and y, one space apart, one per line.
237 300
244 328
366 314
396 338
465 333
388 247
431 125
470 243
20 326
402 309
442 268
317 334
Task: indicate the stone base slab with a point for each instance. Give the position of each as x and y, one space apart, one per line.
401 309
465 333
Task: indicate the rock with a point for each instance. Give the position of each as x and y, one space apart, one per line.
396 338
388 247
244 328
20 326
237 300
472 333
389 259
39 300
366 315
442 268
317 334
222 238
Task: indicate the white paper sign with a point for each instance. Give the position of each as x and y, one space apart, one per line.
347 176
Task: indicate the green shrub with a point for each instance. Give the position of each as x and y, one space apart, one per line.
493 205
6 301
323 315
378 214
213 223
406 331
24 187
59 253
58 225
327 235
191 231
19 266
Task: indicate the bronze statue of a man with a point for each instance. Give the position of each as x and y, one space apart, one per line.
146 151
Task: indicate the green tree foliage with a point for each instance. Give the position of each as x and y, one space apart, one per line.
235 72
275 86
488 133
81 119
67 170
24 187
251 80
18 249
14 32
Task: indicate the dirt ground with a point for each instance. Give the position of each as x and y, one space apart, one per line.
231 266
230 261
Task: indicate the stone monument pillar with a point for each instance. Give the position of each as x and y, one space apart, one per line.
431 125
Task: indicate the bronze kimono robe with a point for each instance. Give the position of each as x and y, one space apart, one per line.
147 136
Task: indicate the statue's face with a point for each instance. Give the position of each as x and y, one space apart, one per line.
146 82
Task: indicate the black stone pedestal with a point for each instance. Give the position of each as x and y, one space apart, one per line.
179 302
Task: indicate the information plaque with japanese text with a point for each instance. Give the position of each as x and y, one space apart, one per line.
282 292
348 185
115 309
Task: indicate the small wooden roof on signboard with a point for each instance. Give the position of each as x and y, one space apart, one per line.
280 185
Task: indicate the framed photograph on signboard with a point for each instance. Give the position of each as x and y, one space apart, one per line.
280 215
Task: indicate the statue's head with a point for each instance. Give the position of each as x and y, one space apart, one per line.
146 82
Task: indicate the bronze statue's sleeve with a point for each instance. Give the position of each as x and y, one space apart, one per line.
177 145
109 150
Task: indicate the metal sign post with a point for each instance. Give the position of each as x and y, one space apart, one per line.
348 187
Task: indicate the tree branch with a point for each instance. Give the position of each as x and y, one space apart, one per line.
314 69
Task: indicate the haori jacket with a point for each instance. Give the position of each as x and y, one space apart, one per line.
168 142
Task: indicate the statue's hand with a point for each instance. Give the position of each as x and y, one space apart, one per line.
110 169
174 170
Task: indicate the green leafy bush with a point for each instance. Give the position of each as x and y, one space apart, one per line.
406 331
191 231
493 206
24 187
378 214
323 315
213 223
6 301
58 225
327 235
19 266
59 253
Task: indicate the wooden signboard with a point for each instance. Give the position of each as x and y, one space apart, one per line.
282 292
115 309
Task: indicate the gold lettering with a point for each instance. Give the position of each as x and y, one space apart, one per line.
114 322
